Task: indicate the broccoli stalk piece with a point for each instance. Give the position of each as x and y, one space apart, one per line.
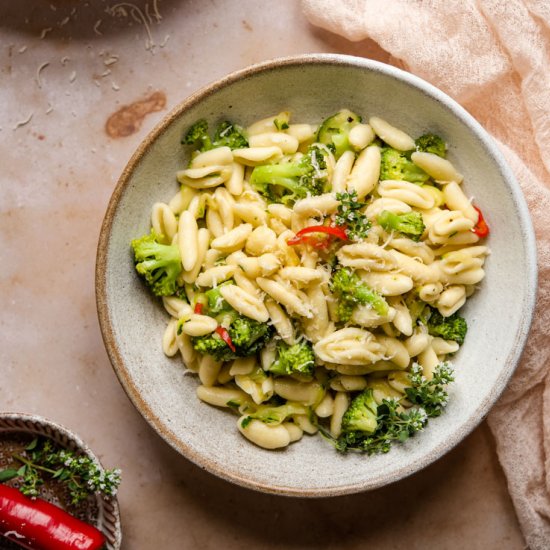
453 327
215 301
270 414
227 134
295 359
431 143
281 121
419 310
352 292
247 335
335 130
289 181
396 165
410 224
159 264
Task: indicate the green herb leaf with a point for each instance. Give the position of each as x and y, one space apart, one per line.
32 445
349 215
246 421
7 474
430 394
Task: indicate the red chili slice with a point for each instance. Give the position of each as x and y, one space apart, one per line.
224 335
481 229
304 235
198 308
35 523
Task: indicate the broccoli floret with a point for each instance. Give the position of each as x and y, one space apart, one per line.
230 135
453 327
393 424
159 264
335 130
396 165
227 134
351 292
410 224
247 335
198 135
361 415
430 143
289 181
213 344
295 359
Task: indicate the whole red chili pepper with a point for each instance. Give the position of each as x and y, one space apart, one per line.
302 236
481 229
39 525
224 335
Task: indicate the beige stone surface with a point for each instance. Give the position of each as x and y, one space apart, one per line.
57 172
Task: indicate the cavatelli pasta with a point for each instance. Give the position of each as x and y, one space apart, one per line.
306 268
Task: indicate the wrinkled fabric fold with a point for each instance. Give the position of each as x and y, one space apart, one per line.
493 57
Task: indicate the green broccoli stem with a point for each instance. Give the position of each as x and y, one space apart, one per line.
410 224
367 295
351 292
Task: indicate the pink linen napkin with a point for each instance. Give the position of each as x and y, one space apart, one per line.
493 57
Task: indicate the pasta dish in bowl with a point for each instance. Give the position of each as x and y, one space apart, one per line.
316 266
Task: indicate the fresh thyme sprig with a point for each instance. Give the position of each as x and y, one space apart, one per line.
349 216
42 460
430 394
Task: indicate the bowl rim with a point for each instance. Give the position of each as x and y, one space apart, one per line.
109 510
491 149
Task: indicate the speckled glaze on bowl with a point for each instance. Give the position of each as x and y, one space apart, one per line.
103 513
313 87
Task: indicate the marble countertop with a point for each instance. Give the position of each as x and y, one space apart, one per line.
67 69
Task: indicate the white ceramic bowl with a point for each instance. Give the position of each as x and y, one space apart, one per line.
313 87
